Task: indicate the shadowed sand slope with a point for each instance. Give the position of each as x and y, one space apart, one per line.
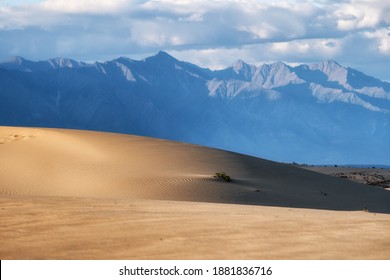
87 195
53 162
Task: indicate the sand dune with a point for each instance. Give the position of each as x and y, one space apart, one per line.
89 164
73 194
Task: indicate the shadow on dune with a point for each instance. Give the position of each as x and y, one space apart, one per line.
268 183
54 162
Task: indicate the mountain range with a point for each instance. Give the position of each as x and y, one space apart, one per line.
320 113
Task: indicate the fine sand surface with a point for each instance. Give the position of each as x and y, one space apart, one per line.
67 194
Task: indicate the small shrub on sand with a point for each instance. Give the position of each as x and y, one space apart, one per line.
222 175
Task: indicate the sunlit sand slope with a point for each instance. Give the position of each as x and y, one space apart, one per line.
67 194
50 162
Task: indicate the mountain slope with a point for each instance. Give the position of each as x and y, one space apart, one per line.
321 113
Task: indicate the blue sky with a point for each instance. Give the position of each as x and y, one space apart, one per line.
212 34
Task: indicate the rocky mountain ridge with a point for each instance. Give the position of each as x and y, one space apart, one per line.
320 113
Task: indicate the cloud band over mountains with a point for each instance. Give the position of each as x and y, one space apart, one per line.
208 33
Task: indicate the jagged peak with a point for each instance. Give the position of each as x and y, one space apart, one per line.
331 62
124 58
62 62
161 56
16 63
238 64
326 66
242 68
334 71
278 64
15 60
272 67
61 59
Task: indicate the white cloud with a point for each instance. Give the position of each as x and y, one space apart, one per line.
193 17
381 38
329 48
362 14
85 6
208 32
